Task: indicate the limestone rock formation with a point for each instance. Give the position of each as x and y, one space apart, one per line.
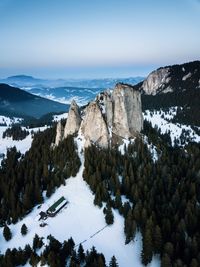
59 133
73 121
112 116
93 126
127 111
155 80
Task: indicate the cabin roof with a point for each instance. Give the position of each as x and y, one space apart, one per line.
56 204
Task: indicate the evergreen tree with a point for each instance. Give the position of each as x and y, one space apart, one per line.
157 239
109 215
81 254
165 261
7 233
113 262
24 229
37 242
147 252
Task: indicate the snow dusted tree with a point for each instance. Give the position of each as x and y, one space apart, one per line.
113 262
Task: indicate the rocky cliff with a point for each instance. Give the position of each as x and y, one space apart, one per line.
174 86
74 120
59 133
93 126
112 116
156 80
175 78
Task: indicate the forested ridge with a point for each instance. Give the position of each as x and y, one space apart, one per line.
16 132
163 196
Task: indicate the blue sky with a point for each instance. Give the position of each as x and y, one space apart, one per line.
96 38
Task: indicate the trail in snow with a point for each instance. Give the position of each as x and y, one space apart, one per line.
91 236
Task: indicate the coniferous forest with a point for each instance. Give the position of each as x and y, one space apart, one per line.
16 132
39 171
55 254
163 197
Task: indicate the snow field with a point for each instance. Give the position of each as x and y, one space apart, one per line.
82 221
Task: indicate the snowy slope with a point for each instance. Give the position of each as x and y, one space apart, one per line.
21 145
8 121
57 118
81 220
162 120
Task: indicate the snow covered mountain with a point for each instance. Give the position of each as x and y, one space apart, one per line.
63 91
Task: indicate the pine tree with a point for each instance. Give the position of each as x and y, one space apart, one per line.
113 262
109 215
165 261
7 233
157 239
37 242
81 254
147 252
24 229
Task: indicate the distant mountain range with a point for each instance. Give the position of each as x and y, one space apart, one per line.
25 80
63 91
17 102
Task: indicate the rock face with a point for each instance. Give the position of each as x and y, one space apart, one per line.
155 80
127 111
116 114
74 120
169 79
59 133
93 126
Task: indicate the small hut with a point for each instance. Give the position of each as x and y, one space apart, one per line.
57 206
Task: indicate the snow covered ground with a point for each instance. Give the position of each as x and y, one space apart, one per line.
81 220
8 121
162 119
21 145
57 118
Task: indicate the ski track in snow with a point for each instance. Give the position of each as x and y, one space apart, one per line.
82 221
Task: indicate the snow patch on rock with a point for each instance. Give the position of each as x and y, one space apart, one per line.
187 76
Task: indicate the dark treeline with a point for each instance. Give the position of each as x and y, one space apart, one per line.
24 178
165 195
55 254
16 132
187 101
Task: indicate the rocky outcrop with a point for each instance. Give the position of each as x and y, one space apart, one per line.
93 126
169 79
59 133
73 121
155 80
112 116
127 111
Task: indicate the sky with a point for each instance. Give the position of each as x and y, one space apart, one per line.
96 38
